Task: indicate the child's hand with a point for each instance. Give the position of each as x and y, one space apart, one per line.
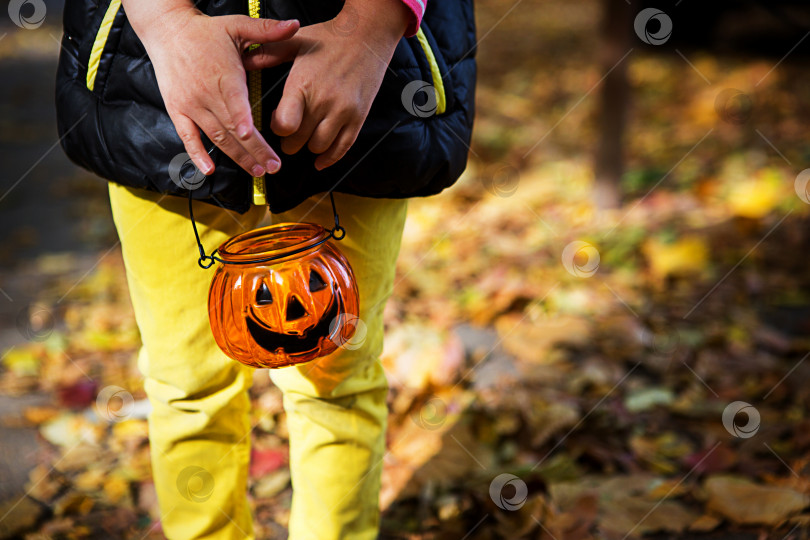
335 76
198 62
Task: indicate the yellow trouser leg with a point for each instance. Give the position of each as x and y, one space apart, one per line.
336 410
198 429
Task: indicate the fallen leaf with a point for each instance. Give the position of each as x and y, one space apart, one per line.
69 430
263 461
533 340
39 415
743 501
78 395
687 255
272 484
22 361
115 488
19 516
644 399
705 523
755 197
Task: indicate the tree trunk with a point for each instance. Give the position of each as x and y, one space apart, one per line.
614 95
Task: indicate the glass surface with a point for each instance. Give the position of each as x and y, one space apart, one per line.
285 312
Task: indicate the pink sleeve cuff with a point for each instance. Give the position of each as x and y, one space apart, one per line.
418 9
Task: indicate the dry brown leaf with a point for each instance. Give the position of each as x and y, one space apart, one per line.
743 501
19 515
532 340
705 523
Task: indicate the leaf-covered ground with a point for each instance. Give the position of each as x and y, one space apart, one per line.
631 372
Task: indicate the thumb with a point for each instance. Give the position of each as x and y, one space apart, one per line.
249 31
270 55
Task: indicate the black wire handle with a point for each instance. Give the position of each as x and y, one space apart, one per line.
207 261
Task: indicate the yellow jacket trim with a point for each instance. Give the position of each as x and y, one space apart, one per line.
101 40
438 84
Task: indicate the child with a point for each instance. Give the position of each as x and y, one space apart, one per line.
113 122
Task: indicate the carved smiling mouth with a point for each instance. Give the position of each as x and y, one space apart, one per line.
272 341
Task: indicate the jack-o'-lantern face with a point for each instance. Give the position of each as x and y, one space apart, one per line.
281 313
292 309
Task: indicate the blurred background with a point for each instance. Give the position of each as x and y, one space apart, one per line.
599 332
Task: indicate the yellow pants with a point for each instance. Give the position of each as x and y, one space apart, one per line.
199 427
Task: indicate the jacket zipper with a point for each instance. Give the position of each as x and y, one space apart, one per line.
255 94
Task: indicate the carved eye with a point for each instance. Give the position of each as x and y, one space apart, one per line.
263 296
316 282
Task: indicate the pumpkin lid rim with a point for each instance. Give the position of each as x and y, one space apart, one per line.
229 250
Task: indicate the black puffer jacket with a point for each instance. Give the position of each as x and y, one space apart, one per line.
115 123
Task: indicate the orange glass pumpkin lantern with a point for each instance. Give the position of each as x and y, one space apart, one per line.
283 295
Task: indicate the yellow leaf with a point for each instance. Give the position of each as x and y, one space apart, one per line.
756 197
115 488
688 255
22 362
131 429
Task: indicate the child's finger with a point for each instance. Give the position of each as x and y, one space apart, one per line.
224 140
290 112
247 31
324 135
343 142
296 141
190 135
270 55
237 117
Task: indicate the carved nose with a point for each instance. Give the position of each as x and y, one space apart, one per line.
295 310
